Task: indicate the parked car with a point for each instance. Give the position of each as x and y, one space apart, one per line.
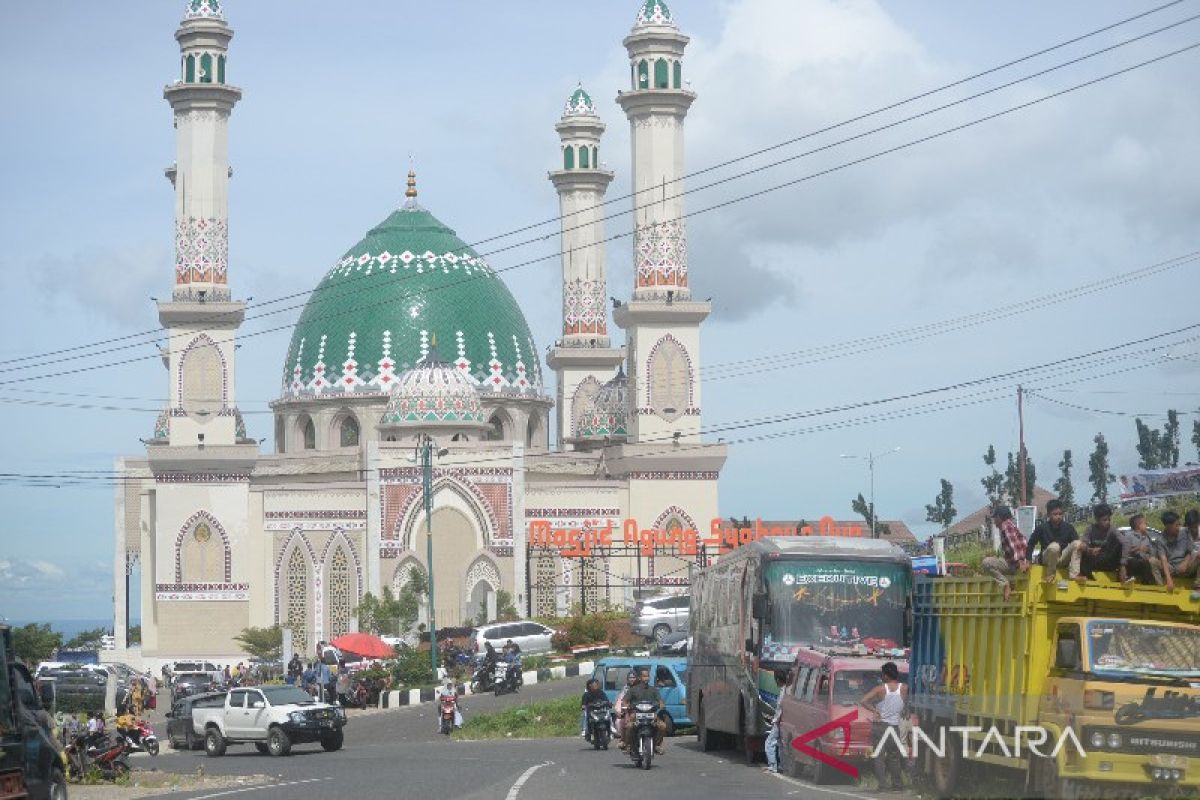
180 734
272 718
657 617
673 644
667 674
531 637
207 667
190 683
77 687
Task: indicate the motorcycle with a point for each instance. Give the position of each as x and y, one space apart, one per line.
447 706
482 679
644 724
598 722
500 678
140 738
107 756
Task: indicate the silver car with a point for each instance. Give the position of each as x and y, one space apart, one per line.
531 637
660 616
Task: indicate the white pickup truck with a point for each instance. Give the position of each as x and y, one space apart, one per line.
273 718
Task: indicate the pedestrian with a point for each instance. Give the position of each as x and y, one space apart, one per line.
1099 549
343 684
771 746
887 704
137 697
1143 554
1055 536
1013 548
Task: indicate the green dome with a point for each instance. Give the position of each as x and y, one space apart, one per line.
580 102
378 310
203 8
653 12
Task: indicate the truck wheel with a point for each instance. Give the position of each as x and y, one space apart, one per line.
945 772
822 773
261 747
333 741
190 742
659 631
58 785
278 743
214 743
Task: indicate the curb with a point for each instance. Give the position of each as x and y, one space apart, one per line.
412 697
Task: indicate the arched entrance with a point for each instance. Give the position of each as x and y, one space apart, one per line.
453 536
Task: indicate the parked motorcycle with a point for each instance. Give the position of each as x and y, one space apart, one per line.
140 739
599 717
482 680
644 721
107 756
447 705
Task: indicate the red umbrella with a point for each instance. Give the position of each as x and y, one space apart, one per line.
365 645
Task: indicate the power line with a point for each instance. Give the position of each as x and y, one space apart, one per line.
1091 410
716 206
220 316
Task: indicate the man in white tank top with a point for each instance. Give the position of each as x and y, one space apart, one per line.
887 704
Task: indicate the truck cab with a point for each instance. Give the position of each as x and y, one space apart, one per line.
272 718
30 757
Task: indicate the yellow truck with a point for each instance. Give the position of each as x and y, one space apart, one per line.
1082 690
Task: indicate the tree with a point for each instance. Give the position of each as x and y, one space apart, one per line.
1196 435
1098 474
1012 478
135 635
1063 487
505 610
1169 455
942 511
86 640
859 505
262 643
1159 449
993 483
392 614
35 642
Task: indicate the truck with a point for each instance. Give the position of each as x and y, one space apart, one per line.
31 763
272 718
1076 689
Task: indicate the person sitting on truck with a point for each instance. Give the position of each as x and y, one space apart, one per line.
1099 550
1191 521
1143 554
1180 553
1012 545
1055 536
887 703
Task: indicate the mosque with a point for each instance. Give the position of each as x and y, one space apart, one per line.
412 338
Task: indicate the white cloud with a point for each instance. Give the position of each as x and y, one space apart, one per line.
21 575
114 284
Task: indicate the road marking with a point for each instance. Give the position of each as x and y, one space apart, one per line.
816 788
516 787
259 788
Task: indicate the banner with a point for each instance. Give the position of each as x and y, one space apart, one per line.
1161 482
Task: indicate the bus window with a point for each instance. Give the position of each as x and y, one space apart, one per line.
849 686
663 678
614 677
801 680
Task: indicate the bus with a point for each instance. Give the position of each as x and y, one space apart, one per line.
756 606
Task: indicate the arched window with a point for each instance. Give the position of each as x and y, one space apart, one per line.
341 600
661 80
202 376
189 70
496 432
670 379
678 75
202 555
295 614
531 432
221 69
348 432
583 157
568 157
308 433
596 157
643 79
206 68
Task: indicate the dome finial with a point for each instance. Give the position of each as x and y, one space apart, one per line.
411 191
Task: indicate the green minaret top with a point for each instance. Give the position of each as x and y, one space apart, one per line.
197 9
653 12
580 102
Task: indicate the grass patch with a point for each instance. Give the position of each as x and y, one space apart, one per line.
541 720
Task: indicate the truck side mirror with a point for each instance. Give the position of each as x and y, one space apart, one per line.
758 605
1066 655
750 647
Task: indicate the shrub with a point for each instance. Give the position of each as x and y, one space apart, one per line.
581 630
412 667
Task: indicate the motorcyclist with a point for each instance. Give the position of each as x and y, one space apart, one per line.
619 707
512 657
641 691
593 695
489 655
448 690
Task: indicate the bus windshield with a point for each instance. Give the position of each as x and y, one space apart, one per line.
1124 647
822 603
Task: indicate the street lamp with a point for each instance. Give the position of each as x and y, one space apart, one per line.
425 452
870 459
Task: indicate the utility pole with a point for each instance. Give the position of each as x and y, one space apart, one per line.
1021 434
426 453
870 459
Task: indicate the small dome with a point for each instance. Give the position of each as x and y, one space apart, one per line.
580 102
204 8
607 416
434 393
653 12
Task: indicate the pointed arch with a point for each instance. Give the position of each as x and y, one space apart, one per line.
568 157
453 493
343 584
201 363
669 388
295 570
199 555
482 580
403 569
585 393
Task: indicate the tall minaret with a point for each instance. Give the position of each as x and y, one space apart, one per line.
583 358
662 324
200 318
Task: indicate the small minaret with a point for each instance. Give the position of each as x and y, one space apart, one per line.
583 358
661 322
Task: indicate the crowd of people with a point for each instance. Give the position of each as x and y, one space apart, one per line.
1135 554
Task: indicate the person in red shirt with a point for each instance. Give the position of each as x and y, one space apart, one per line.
1013 548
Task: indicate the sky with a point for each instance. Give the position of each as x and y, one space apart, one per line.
338 97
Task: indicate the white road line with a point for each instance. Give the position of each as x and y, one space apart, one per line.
816 788
260 788
516 787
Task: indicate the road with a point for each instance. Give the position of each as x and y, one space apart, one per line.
398 754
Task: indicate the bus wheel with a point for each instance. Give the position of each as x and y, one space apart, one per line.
704 737
945 772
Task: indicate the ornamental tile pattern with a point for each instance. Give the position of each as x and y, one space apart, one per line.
607 416
190 526
339 594
409 280
203 8
202 591
580 102
653 12
438 393
584 309
674 476
660 255
553 513
201 250
296 616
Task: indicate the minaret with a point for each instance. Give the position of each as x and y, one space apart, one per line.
201 318
662 324
583 358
